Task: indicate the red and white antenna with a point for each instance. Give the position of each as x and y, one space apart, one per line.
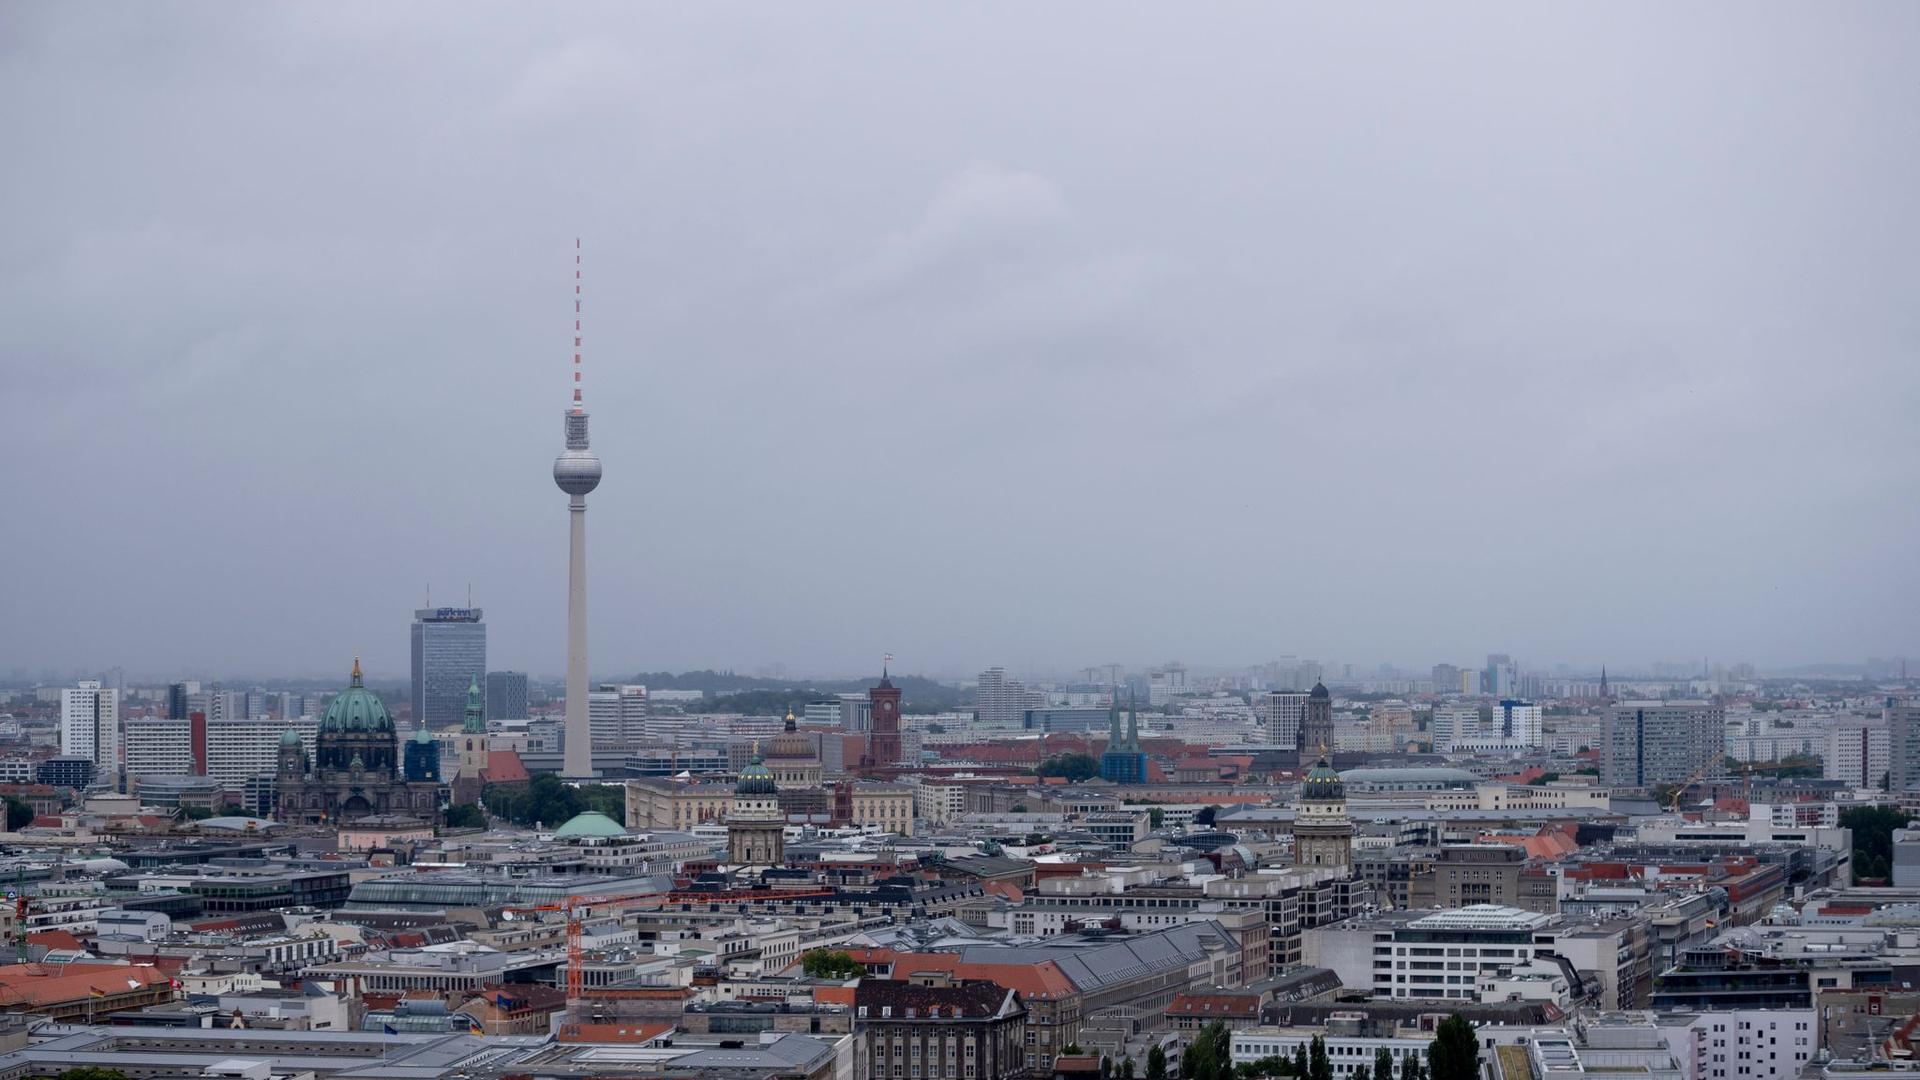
577 406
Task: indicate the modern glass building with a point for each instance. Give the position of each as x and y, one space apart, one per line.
449 654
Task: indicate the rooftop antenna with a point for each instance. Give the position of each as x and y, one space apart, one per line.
577 405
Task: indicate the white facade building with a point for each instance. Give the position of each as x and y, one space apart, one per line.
1451 721
238 750
617 715
1345 1053
1859 751
157 746
1281 714
1516 721
1742 1044
90 726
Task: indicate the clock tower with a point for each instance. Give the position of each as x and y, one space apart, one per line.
883 733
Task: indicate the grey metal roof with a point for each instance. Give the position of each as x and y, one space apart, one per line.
1092 963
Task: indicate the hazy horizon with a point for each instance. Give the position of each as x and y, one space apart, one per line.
1039 337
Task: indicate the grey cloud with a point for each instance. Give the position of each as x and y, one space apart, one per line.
996 334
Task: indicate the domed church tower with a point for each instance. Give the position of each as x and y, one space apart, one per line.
356 768
1322 832
756 835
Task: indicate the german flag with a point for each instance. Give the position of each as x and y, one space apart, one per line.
96 992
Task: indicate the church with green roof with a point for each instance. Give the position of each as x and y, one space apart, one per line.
357 770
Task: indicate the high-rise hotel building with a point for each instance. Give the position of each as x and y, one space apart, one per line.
449 654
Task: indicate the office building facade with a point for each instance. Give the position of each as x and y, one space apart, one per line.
617 716
449 652
1074 718
1661 742
506 695
1903 745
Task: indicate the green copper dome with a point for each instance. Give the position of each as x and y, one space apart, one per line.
590 823
356 709
423 737
289 737
1322 784
756 778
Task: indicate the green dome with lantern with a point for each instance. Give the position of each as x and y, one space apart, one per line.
356 709
756 778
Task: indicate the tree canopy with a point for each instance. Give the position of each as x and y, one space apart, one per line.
1075 767
466 816
1873 838
551 801
1454 1053
830 964
1210 1055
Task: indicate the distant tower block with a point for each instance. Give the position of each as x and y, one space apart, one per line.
577 472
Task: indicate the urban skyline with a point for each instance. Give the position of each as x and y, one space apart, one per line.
1029 429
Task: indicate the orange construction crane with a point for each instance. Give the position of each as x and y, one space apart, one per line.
578 906
574 908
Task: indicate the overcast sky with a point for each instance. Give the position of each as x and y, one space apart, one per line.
1036 335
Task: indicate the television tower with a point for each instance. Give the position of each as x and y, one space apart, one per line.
577 471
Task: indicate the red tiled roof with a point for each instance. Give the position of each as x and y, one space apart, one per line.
833 995
505 767
54 939
1044 980
39 985
1233 1005
633 1032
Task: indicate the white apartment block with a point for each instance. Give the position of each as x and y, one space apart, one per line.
1743 1044
999 698
157 746
1282 712
1859 750
90 725
238 750
1516 721
1451 721
617 715
937 802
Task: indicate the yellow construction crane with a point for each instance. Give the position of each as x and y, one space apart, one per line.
1691 780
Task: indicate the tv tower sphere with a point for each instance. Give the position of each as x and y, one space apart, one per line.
577 471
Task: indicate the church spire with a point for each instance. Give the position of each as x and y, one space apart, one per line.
1133 720
476 717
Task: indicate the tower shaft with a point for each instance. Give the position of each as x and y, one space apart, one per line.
578 763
